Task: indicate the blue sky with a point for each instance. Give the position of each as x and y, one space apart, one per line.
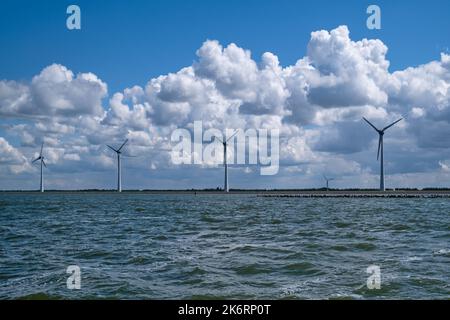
138 69
128 42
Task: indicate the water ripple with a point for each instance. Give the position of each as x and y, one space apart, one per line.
214 247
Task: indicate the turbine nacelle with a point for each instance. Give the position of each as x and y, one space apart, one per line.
225 143
118 151
41 156
381 133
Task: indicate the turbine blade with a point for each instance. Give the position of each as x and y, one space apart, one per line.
376 129
392 124
160 149
325 177
235 133
379 147
216 137
44 163
38 158
42 147
112 148
125 142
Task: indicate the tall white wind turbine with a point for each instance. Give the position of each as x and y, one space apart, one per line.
41 158
328 180
225 161
381 148
119 174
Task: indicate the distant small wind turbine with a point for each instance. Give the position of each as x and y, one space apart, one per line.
41 157
381 148
119 175
328 180
225 163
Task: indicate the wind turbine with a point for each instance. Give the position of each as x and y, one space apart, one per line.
381 148
119 175
328 180
225 163
41 157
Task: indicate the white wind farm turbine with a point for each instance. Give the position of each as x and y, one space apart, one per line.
327 181
381 148
225 162
41 158
119 174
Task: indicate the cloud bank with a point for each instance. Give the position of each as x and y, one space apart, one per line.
317 104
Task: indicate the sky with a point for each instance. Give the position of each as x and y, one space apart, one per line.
141 69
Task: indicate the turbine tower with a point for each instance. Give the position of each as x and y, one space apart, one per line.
225 163
119 174
41 157
328 180
381 148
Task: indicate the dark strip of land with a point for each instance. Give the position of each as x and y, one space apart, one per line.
361 194
302 193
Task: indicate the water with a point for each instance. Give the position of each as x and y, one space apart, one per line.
210 246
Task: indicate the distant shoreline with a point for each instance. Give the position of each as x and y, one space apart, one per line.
301 193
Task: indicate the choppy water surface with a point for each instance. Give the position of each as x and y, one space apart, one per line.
211 246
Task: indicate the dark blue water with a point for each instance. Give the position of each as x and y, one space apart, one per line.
212 246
